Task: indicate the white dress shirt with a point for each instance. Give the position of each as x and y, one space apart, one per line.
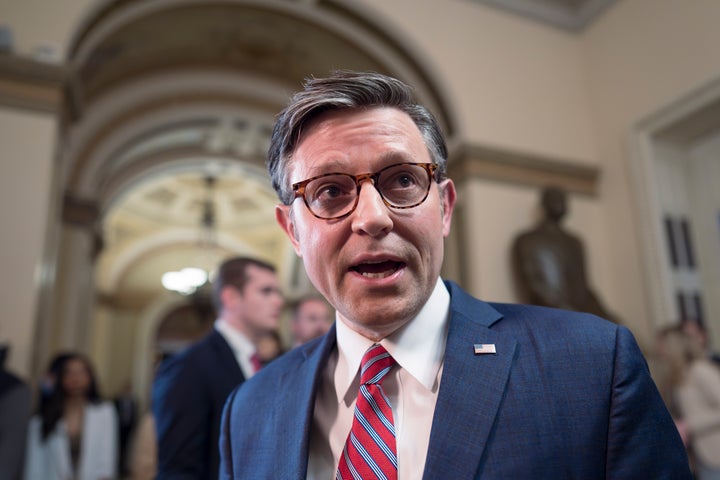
241 346
411 386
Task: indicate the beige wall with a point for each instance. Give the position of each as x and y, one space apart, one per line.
37 23
515 83
27 142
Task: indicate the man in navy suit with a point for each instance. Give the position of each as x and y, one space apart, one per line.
191 387
477 390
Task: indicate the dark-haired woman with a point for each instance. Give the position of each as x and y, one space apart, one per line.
75 435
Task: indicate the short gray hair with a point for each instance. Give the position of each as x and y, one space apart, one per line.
346 90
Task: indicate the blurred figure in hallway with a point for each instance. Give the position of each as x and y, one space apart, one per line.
697 331
695 382
48 380
142 458
76 434
126 408
269 347
311 318
15 402
191 387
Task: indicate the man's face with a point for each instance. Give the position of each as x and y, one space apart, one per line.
257 308
312 319
378 265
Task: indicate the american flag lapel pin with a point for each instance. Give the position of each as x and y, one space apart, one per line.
484 348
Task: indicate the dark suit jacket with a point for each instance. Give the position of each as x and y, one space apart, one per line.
15 404
189 392
567 396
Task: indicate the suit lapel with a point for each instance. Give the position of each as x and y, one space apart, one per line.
230 368
471 389
302 384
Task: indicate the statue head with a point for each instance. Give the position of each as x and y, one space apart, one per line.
554 203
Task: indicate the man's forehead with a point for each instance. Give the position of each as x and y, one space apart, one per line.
335 160
255 273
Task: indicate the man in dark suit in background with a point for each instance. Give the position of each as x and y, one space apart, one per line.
190 388
452 387
15 404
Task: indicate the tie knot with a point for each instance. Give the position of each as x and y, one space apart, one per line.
376 363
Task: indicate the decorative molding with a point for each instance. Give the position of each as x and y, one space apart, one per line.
522 168
30 84
573 16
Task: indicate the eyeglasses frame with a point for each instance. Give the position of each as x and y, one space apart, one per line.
299 187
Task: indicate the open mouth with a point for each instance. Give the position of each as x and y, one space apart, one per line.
377 269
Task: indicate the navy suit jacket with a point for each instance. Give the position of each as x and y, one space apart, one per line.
566 396
189 392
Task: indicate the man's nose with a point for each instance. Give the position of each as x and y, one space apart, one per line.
371 216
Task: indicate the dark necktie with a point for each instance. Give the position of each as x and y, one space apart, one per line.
370 450
255 360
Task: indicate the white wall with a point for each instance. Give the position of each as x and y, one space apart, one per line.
27 142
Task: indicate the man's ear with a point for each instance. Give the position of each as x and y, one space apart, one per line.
228 296
284 218
448 197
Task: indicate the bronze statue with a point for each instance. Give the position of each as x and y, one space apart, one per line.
549 262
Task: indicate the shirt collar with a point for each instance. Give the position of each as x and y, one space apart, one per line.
418 347
239 343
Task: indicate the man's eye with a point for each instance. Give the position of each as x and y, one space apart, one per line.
402 180
329 191
406 180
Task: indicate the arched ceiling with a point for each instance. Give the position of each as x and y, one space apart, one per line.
215 35
165 92
282 40
157 227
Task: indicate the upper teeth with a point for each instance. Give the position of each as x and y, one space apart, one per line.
377 275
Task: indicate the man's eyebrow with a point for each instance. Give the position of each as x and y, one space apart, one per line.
396 156
345 166
333 165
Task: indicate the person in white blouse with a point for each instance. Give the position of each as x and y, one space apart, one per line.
76 434
696 394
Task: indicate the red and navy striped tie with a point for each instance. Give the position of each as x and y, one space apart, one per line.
370 448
